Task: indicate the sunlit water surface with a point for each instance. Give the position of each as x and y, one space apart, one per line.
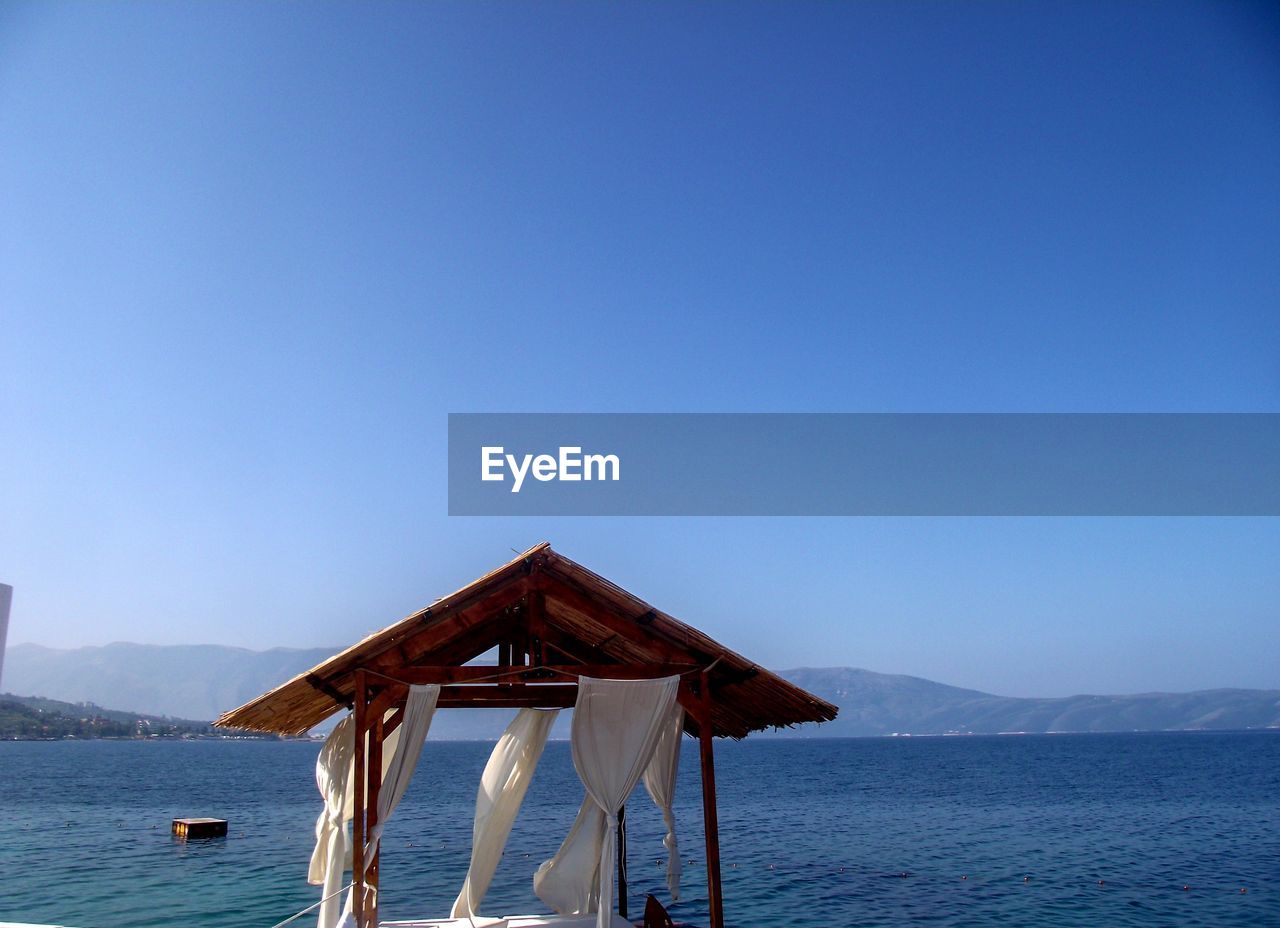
1088 830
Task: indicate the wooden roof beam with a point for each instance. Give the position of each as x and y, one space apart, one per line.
437 633
643 637
561 673
465 632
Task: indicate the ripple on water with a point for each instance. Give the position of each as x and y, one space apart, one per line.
988 831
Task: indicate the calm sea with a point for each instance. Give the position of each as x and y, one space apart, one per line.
1089 830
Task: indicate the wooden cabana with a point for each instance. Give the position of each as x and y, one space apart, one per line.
552 621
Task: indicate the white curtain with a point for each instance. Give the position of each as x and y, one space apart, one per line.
502 790
570 881
660 782
616 727
419 710
333 778
400 753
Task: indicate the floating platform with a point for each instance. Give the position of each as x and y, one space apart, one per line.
200 827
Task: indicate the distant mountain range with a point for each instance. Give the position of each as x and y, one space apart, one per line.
201 681
882 704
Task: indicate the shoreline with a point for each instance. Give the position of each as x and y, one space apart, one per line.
893 736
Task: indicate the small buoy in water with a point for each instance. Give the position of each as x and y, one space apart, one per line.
1185 888
1243 890
903 874
965 877
1102 882
841 870
1026 879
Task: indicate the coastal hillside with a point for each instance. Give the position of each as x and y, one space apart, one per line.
28 717
201 681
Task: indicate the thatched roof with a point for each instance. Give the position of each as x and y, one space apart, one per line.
584 619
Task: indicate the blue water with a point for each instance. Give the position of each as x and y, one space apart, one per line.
814 832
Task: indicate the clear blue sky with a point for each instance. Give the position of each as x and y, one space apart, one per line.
251 255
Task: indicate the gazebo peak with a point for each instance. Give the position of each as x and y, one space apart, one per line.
539 609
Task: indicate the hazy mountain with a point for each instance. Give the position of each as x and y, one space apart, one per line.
881 704
193 681
201 681
190 681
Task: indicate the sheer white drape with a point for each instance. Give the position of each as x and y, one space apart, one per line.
333 779
419 710
570 881
502 790
616 726
660 783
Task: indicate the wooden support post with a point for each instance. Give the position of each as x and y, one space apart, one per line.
371 816
537 627
622 861
504 662
710 821
361 697
519 646
518 636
